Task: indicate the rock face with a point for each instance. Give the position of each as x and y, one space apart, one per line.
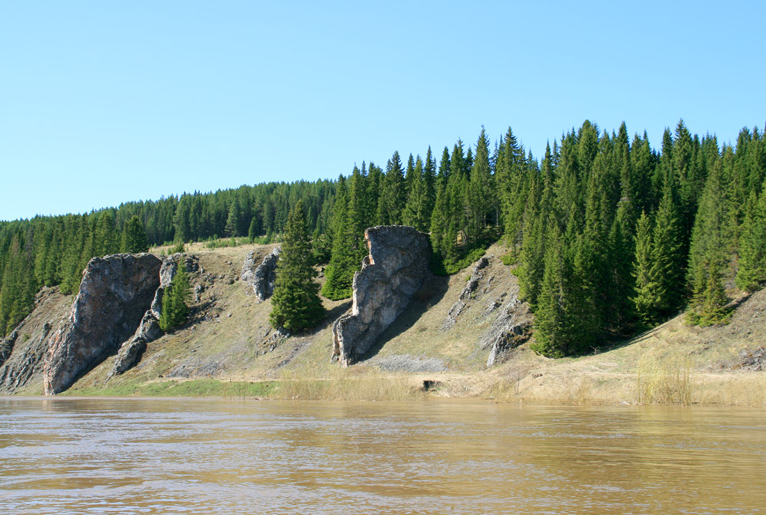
6 346
512 327
25 348
149 328
261 278
395 269
167 272
114 294
477 275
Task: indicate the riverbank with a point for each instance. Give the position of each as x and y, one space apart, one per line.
437 349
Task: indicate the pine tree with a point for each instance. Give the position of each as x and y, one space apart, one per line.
134 237
175 301
295 304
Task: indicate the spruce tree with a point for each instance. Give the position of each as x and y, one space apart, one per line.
252 231
295 303
752 245
550 318
667 255
175 301
393 193
232 219
481 200
106 239
647 297
709 252
347 244
134 237
414 207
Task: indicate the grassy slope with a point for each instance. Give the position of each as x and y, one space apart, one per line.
226 350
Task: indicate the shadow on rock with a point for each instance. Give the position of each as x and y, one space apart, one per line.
432 291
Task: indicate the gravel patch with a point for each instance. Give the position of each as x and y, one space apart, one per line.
404 363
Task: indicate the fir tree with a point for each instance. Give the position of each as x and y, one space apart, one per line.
295 304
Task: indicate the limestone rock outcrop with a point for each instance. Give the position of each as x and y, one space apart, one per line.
6 346
149 329
396 268
477 275
115 293
511 328
22 353
263 277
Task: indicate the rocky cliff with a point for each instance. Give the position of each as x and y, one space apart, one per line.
262 278
149 329
115 293
23 351
396 268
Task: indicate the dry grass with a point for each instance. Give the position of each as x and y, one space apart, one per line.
341 386
664 380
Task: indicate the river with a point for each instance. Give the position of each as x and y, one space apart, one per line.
103 455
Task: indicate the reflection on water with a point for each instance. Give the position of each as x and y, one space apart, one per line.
210 456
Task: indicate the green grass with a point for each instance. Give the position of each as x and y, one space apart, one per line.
176 388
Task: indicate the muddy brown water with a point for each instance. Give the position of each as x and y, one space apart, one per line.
61 456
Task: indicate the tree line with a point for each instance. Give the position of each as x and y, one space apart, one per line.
606 234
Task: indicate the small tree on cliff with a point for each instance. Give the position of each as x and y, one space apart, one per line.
175 301
295 304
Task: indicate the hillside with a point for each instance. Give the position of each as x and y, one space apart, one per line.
437 348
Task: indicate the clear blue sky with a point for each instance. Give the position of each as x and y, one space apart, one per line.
103 102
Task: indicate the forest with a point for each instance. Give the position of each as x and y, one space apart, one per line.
607 235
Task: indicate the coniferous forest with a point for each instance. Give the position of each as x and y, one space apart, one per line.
607 234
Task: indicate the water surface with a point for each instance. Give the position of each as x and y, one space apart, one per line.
67 455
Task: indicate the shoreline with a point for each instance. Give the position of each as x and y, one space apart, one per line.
736 389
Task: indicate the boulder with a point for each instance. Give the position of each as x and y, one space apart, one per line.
114 294
261 279
396 268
